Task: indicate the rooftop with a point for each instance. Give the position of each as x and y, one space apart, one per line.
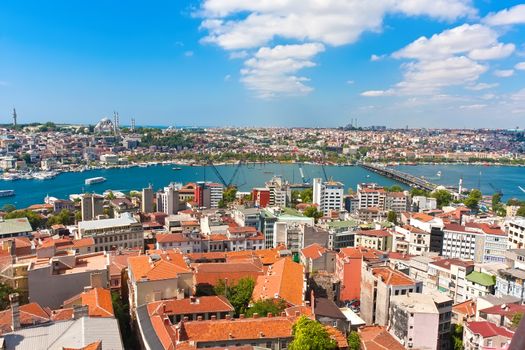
125 219
416 302
481 278
14 226
487 329
378 338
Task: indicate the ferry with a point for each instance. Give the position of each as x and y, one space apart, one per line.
7 193
44 175
176 168
94 180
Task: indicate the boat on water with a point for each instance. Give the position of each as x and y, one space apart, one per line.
44 175
7 193
438 173
10 177
176 168
94 180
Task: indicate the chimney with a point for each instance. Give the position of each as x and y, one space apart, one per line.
255 315
228 317
297 313
241 316
270 315
214 317
283 314
96 279
185 319
80 311
15 311
199 318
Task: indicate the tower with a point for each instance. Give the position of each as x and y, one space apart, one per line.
132 124
14 117
115 122
460 188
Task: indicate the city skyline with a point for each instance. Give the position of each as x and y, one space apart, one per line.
447 63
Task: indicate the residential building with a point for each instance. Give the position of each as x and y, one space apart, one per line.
515 229
378 286
208 194
91 206
53 280
422 203
421 321
371 195
485 335
160 275
279 192
341 234
328 195
348 268
326 312
377 338
110 234
147 200
192 308
414 241
501 315
397 201
168 200
449 276
464 312
261 197
374 239
317 258
418 271
432 225
19 227
479 284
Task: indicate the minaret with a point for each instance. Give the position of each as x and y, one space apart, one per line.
14 117
115 123
460 188
132 124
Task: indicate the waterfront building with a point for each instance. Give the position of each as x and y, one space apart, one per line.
378 286
421 321
147 200
328 195
91 206
111 234
109 159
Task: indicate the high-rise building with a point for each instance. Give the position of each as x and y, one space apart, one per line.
208 194
92 205
328 195
371 195
279 192
168 199
147 200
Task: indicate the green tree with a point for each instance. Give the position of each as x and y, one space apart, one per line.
265 306
521 211
110 195
312 212
238 294
418 192
516 319
443 197
457 337
394 188
309 334
7 208
65 217
473 199
5 290
496 200
121 311
35 219
307 195
354 341
229 194
392 217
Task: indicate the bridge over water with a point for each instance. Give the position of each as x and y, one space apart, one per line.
407 179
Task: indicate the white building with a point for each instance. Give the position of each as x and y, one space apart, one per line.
168 199
110 159
108 234
328 195
279 192
516 233
422 203
371 195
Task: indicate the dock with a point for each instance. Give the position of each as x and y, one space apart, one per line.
407 179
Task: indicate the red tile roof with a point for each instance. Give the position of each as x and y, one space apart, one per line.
314 251
392 277
142 267
488 329
466 308
377 338
507 310
284 279
211 304
211 273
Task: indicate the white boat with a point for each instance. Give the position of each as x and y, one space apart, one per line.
7 193
10 177
44 175
94 180
439 173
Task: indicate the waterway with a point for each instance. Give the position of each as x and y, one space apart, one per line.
125 179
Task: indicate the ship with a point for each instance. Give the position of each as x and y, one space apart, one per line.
176 168
439 173
7 193
94 180
44 175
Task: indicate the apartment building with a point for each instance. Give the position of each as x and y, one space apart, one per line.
378 286
328 195
485 335
279 192
208 194
147 200
449 276
111 234
374 239
421 321
479 284
91 206
371 195
516 233
414 241
168 200
511 281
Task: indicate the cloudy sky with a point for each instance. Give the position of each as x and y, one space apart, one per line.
421 63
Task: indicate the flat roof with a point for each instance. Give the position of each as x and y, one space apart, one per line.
123 220
18 225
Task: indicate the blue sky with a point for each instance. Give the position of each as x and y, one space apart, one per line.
421 63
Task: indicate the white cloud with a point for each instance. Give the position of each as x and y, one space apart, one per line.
227 77
519 96
274 70
350 82
481 86
513 15
239 25
494 52
504 73
238 54
520 66
488 96
377 93
473 106
375 58
188 53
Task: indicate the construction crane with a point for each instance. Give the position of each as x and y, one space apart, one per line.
496 190
324 172
221 178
